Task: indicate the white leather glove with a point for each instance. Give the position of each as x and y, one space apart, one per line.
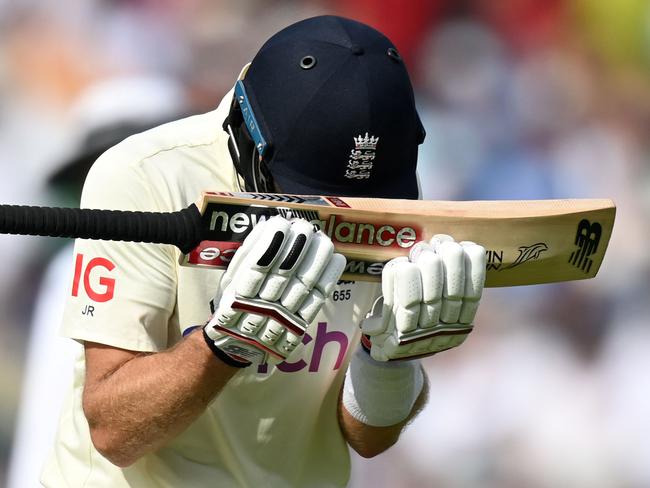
275 285
429 300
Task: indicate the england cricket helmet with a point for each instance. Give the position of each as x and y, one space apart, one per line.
329 105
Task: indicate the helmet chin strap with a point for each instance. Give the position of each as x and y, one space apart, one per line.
232 145
256 174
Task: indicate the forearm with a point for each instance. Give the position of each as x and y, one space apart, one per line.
369 441
151 398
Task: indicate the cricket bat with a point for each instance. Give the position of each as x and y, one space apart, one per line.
527 241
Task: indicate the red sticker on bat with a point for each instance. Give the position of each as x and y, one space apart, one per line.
337 202
213 253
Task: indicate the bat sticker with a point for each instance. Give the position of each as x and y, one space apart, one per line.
528 253
586 240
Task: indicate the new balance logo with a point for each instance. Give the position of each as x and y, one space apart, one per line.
586 240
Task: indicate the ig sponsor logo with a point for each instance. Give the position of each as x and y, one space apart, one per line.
95 278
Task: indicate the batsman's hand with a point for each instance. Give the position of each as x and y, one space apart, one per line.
275 285
429 300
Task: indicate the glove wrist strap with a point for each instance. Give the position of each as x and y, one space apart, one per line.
229 360
366 343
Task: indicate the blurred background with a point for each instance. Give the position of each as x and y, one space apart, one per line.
521 99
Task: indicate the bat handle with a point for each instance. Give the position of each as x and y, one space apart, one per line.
182 228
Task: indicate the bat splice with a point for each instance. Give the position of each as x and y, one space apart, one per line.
527 242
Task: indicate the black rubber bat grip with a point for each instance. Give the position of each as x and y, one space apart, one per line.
182 228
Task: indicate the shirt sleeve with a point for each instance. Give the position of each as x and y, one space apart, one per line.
122 294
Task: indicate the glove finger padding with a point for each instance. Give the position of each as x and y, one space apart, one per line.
408 296
315 261
265 329
262 250
298 239
323 288
453 265
429 300
475 263
431 271
240 255
279 283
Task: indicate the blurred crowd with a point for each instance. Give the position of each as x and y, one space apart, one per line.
521 99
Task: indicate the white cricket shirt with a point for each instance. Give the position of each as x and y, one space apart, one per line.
275 428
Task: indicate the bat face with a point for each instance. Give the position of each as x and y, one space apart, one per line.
526 242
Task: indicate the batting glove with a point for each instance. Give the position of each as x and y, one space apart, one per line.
429 300
275 285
